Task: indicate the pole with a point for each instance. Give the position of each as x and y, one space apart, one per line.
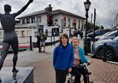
86 25
91 17
104 52
70 32
91 21
54 38
85 40
51 40
31 43
94 25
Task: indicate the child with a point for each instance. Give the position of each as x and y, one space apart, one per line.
63 58
79 58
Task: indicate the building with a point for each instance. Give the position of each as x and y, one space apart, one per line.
60 18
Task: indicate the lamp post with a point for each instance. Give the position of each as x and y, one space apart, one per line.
87 6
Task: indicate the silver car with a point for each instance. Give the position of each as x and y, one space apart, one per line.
111 48
107 35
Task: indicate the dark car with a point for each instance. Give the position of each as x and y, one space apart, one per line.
97 32
108 35
111 51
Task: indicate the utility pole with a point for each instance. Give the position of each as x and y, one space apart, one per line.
94 24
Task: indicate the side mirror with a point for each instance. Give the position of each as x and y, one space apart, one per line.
112 38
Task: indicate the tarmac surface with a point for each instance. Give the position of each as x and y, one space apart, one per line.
102 72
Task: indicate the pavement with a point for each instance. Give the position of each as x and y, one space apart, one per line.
102 72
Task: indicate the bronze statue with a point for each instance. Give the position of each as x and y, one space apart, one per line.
10 37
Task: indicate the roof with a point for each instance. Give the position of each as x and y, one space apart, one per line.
32 14
67 13
59 11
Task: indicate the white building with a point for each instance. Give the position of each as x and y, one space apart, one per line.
60 18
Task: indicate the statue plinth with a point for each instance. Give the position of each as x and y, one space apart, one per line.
25 75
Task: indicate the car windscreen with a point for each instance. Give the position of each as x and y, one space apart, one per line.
113 33
106 33
97 32
116 38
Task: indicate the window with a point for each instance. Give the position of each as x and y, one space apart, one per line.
28 20
39 19
41 26
32 20
22 33
56 20
64 21
49 20
23 21
78 24
69 22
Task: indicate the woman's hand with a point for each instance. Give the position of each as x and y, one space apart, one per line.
69 70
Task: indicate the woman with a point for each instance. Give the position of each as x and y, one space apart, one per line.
79 58
38 41
63 58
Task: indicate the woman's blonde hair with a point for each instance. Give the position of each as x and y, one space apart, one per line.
75 38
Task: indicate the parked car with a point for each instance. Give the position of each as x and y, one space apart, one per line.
111 48
108 35
97 32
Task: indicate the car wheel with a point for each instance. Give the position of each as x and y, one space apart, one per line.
109 55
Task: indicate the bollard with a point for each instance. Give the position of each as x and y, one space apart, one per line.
31 47
104 52
51 40
54 39
87 46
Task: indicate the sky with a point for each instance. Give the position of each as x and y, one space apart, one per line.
106 10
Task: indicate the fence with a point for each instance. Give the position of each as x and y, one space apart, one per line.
25 43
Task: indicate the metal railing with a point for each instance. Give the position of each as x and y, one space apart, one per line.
24 42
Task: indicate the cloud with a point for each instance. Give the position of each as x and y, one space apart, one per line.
106 10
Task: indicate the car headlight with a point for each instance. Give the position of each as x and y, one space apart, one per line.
94 47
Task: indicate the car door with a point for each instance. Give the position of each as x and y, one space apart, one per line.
116 46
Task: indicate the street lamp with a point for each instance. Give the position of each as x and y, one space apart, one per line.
87 6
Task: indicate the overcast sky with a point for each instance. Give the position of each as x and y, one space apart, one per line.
106 10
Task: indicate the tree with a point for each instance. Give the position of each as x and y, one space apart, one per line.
97 27
90 27
102 27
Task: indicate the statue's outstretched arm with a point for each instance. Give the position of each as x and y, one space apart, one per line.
20 11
